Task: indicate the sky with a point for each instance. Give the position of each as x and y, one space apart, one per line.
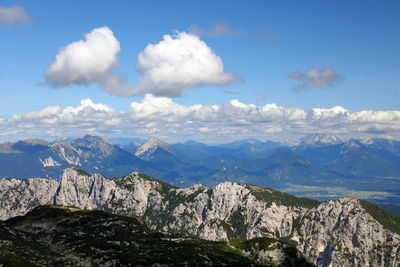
212 71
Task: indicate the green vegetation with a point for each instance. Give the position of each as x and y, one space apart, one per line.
388 220
59 236
263 243
291 255
126 182
80 171
268 196
237 221
162 183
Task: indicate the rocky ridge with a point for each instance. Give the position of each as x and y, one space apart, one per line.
320 139
68 236
322 231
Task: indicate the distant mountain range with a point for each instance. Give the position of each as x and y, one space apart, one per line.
265 225
321 165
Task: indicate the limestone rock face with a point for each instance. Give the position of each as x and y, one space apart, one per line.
333 233
342 233
128 195
17 197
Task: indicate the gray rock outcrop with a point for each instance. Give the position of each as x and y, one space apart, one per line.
333 233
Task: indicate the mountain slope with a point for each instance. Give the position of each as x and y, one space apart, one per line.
320 139
154 149
358 159
373 158
320 230
344 233
57 235
277 171
38 158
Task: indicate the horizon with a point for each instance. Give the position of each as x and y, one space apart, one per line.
276 71
128 140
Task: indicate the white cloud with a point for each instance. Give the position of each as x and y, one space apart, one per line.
13 15
316 78
179 62
86 61
162 117
176 63
44 113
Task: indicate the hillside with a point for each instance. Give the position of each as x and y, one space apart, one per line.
59 235
320 231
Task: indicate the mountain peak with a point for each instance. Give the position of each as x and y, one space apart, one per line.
321 138
74 171
353 144
90 139
147 150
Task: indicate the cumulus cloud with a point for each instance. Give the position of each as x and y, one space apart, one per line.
10 16
178 62
316 78
164 118
86 61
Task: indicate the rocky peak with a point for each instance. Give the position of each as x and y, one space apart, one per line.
321 139
146 150
92 140
351 145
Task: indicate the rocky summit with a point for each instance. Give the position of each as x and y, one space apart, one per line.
344 232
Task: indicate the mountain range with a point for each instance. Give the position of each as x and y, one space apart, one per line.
321 166
343 232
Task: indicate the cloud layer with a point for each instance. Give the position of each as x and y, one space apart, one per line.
164 118
10 16
316 78
177 63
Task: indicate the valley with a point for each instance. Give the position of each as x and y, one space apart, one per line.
320 166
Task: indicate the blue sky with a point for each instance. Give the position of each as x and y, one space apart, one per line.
294 54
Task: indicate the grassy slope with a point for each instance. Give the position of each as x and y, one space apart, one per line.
269 195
